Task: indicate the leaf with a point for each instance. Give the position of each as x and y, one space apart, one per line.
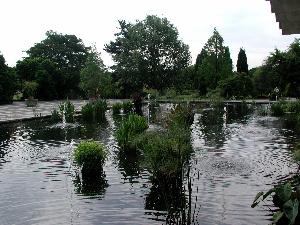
277 216
258 195
290 209
284 192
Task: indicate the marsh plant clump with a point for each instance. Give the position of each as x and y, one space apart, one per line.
65 110
90 155
116 108
94 111
129 129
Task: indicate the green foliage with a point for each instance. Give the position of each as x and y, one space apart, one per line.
181 116
164 153
127 107
213 64
283 107
238 86
67 109
90 154
44 73
94 111
95 80
147 53
100 107
286 199
281 69
69 55
55 115
87 112
242 65
129 128
30 88
7 82
116 108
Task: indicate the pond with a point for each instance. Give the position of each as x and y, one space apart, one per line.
236 153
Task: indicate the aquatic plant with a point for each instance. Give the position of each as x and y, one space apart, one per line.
91 156
129 128
165 153
100 107
94 111
67 110
279 108
287 199
55 116
116 108
181 116
127 107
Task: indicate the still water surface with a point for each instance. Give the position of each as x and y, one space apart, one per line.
237 153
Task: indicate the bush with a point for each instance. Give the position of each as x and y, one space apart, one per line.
181 116
67 109
127 107
165 153
94 111
55 116
278 108
91 156
128 129
100 107
30 89
116 108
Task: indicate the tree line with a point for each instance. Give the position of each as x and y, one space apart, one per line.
148 54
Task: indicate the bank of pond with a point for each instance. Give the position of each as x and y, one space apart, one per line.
161 164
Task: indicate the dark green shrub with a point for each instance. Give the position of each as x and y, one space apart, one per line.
165 153
87 112
128 129
91 156
278 108
55 116
100 107
68 109
127 107
94 111
181 116
116 108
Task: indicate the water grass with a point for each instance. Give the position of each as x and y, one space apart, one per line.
90 155
94 111
129 129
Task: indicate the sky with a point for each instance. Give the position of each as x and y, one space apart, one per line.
242 23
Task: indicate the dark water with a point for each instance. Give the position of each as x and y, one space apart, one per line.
236 154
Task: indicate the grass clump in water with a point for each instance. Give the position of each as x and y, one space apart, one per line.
90 155
129 129
94 111
116 108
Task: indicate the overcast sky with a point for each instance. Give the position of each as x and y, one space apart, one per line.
242 23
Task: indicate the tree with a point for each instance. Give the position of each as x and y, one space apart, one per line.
95 80
7 82
239 85
148 53
69 55
42 71
214 63
242 65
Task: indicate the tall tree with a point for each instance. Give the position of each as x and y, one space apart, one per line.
148 53
216 64
242 64
7 82
95 80
44 72
68 53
